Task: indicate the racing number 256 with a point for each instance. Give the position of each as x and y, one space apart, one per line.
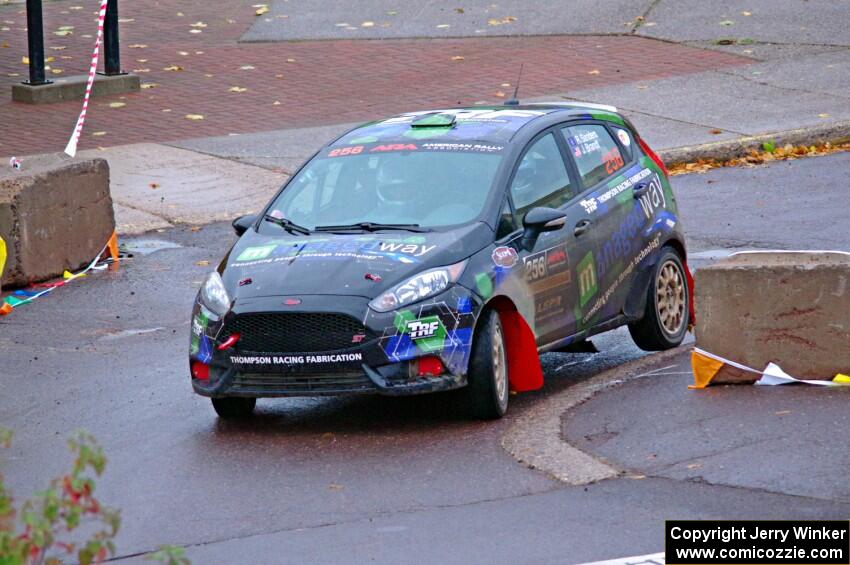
342 151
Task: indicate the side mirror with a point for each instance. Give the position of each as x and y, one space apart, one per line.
242 223
539 220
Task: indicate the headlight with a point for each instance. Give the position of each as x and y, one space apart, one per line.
425 284
214 295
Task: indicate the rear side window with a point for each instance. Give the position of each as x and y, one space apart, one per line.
596 154
541 178
625 137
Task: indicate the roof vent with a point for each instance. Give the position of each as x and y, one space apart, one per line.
434 121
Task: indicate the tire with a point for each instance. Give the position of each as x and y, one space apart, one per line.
488 387
234 408
665 319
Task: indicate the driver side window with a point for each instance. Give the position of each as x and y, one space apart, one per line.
541 178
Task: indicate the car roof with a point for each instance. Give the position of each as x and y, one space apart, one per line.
495 124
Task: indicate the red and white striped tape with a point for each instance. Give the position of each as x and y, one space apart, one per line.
71 148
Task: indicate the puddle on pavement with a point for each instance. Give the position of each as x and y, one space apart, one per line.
129 333
147 246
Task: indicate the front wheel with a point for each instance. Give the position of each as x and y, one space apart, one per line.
665 319
233 408
487 391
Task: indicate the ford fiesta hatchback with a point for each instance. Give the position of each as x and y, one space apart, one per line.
441 250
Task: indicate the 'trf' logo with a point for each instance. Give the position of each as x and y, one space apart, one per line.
419 330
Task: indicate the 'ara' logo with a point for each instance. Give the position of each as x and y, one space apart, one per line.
394 147
426 327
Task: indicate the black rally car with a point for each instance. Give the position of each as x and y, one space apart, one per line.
445 249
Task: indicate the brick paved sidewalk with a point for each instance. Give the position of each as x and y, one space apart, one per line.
295 84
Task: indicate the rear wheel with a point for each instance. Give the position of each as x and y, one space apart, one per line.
665 318
233 408
488 370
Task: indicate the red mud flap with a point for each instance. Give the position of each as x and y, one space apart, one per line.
692 315
524 371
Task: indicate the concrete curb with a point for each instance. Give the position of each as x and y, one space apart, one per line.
535 437
834 132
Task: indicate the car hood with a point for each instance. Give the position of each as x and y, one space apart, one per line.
356 264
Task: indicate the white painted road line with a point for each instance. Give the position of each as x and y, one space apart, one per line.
649 559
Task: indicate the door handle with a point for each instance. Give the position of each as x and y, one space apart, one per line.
582 227
640 190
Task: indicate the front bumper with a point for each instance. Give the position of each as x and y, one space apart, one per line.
350 348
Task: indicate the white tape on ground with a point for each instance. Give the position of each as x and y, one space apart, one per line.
649 559
71 148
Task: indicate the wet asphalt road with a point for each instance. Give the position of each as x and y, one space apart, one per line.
360 479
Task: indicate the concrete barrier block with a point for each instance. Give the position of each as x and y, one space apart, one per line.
55 214
792 308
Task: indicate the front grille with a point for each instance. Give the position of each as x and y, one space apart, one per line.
294 332
276 384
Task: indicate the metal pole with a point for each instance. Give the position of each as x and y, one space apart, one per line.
35 43
111 55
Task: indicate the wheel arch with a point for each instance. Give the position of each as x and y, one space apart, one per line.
636 301
524 370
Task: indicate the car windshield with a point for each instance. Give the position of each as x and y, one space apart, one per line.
426 185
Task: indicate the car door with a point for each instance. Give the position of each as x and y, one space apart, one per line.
608 176
542 177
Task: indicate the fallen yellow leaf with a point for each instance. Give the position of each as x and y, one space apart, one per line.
202 263
236 89
98 133
194 117
58 48
194 31
117 104
198 24
173 68
457 58
147 85
25 60
593 72
500 21
247 67
56 71
262 10
500 94
63 33
367 24
137 46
